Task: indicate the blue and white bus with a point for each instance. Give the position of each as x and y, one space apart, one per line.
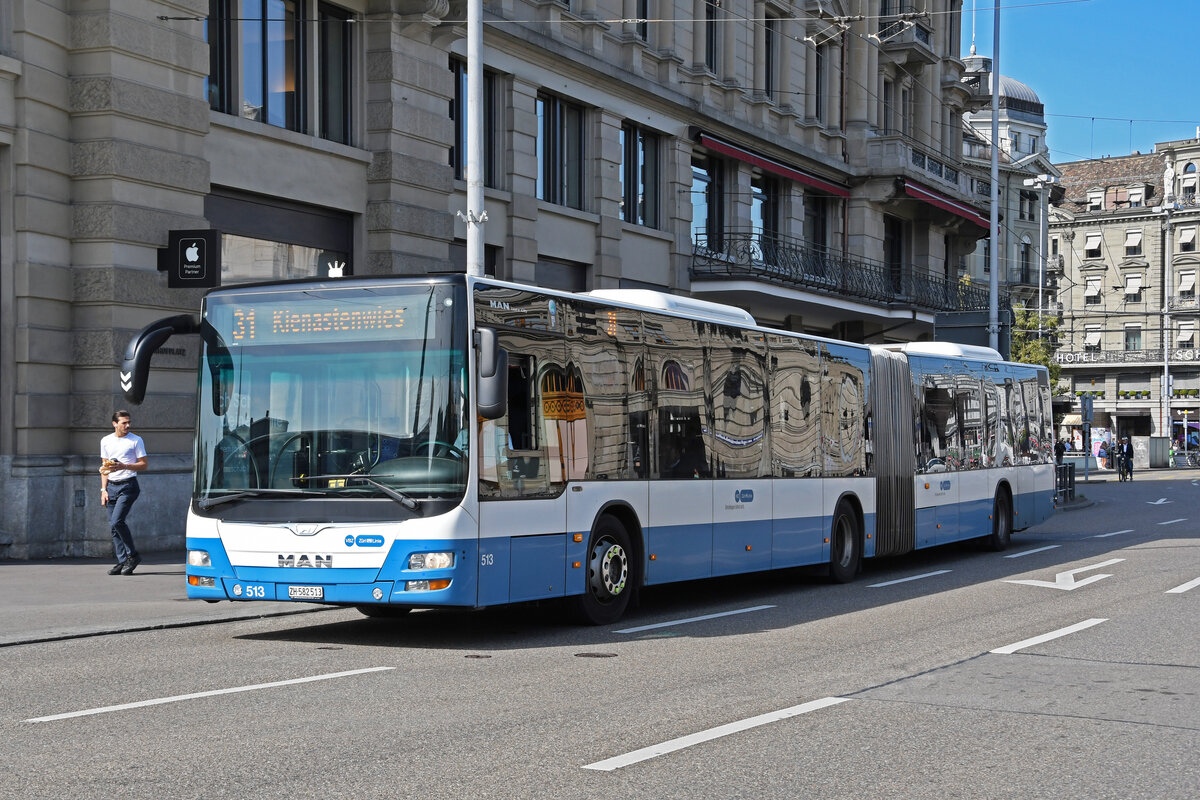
399 443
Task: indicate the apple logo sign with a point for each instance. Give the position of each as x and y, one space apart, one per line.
192 266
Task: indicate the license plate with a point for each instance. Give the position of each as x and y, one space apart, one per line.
306 592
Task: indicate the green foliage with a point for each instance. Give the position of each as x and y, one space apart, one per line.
1030 348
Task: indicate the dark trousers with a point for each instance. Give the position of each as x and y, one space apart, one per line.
121 497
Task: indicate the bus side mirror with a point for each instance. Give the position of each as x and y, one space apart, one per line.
492 385
135 367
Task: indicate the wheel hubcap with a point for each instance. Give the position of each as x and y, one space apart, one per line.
609 568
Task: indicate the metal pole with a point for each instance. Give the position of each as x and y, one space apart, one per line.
994 282
1166 328
1042 231
476 215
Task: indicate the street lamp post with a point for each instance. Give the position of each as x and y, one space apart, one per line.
1042 183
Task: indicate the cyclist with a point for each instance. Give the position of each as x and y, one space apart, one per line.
1125 459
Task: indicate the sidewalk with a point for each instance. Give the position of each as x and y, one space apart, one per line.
72 597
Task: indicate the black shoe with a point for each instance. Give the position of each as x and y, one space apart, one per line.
131 565
116 568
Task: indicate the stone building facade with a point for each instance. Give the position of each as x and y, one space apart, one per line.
1123 250
796 159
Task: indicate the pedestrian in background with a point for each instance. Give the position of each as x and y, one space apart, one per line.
1059 449
123 456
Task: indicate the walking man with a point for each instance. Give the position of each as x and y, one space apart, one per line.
1127 457
124 456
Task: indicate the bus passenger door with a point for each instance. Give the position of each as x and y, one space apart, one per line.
522 473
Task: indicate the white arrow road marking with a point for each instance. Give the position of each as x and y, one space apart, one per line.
1066 580
1157 502
1114 533
1173 521
1045 637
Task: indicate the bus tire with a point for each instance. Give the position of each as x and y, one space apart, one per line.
610 574
383 611
1002 521
845 550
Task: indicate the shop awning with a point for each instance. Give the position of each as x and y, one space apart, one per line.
945 203
732 150
1072 419
1092 338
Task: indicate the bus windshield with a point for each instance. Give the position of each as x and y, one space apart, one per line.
338 393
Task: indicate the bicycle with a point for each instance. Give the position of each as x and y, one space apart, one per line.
1121 470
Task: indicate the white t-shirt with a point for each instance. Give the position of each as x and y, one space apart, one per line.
126 449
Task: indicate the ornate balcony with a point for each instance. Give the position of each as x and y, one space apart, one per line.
792 263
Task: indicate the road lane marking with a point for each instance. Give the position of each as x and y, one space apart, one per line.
906 580
641 628
1114 533
1173 521
653 751
213 693
1183 588
1031 552
1066 580
1046 637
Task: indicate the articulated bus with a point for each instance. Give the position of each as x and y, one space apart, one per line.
400 443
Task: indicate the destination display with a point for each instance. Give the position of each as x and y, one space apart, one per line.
306 319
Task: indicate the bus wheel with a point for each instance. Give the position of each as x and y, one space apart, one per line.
1002 522
609 576
383 611
844 551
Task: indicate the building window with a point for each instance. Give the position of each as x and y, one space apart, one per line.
1187 240
712 34
1091 292
643 22
272 52
1026 264
560 152
1187 335
639 175
1091 339
1033 144
770 56
1187 285
708 202
1133 288
1054 246
764 216
816 222
1135 197
1091 245
1028 202
262 68
458 113
1014 139
1133 336
1096 200
889 101
1133 243
987 256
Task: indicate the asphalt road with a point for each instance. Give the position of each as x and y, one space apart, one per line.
954 673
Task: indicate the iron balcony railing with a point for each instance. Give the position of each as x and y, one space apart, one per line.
785 261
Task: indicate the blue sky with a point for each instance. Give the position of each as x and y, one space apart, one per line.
1114 75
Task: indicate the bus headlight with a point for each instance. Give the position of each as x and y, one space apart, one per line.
431 561
199 558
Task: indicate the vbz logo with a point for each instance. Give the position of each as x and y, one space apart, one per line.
945 486
743 496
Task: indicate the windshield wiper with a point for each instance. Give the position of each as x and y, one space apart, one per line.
208 502
398 496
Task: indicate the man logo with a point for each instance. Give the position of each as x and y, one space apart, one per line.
305 560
